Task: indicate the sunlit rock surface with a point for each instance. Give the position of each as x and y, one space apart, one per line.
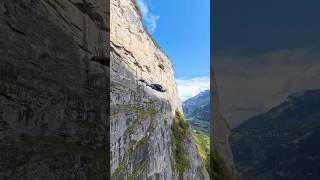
141 117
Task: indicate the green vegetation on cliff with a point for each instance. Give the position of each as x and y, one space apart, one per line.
202 141
218 168
179 134
142 114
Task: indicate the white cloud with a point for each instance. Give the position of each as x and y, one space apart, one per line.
149 18
190 87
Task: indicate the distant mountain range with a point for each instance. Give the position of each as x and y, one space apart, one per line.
197 111
283 143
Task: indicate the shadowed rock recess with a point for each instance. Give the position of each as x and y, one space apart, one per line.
221 159
150 139
53 89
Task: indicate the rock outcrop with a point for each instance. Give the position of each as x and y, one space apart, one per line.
144 139
221 161
53 89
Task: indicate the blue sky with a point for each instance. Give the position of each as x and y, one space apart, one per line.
182 29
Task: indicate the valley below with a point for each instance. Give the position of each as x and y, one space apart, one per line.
282 143
197 111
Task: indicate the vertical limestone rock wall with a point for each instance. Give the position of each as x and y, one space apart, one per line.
142 142
220 151
144 58
53 96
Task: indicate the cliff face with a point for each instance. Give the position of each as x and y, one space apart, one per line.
221 161
144 139
53 91
141 54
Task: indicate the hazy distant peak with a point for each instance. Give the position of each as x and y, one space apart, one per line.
205 92
304 93
202 95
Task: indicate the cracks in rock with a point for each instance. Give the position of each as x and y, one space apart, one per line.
6 96
127 52
114 49
15 29
10 25
148 68
5 5
58 13
85 49
139 66
102 60
161 66
76 26
88 8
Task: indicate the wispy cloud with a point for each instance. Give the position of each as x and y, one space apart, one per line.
149 18
190 87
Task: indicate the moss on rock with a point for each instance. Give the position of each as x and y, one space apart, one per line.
202 141
179 134
139 170
218 168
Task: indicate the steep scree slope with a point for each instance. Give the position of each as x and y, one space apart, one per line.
145 138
